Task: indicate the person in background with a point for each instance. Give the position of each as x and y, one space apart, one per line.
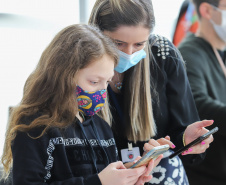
187 21
150 96
59 133
204 54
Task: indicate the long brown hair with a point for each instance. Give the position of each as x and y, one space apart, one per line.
109 15
50 89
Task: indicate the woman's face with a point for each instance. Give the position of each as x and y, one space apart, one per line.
96 75
129 39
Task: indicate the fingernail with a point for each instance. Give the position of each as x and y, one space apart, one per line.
213 120
182 153
186 151
173 146
203 142
190 149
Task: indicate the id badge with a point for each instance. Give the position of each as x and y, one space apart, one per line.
130 155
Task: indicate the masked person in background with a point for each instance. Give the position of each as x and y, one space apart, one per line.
204 54
150 96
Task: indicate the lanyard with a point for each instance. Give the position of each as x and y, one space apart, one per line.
116 103
93 156
220 61
99 142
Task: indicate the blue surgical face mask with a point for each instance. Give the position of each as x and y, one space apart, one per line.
127 61
221 29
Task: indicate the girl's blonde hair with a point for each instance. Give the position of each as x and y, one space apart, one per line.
109 15
50 89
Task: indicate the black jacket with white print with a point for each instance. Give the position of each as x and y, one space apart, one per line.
63 156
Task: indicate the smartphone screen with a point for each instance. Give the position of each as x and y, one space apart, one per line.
196 141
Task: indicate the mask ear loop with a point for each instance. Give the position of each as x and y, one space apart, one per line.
221 11
82 115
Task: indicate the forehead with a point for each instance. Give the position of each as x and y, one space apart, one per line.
130 34
101 68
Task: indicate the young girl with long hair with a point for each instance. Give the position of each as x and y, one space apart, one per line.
59 133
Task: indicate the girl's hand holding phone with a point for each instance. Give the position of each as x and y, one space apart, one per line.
146 177
117 173
195 130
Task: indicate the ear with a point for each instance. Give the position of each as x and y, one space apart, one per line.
205 10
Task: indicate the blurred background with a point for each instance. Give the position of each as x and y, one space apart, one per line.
27 27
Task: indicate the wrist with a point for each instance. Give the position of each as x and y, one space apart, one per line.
183 138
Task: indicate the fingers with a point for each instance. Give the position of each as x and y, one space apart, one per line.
118 165
143 179
201 147
164 141
157 160
137 159
136 172
203 123
167 137
149 167
151 144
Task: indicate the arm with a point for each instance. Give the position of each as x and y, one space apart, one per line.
181 106
208 107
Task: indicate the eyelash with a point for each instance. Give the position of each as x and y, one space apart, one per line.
120 44
138 45
93 82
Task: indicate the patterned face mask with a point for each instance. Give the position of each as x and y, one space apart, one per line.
90 103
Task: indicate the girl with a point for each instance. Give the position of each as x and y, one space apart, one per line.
150 95
55 135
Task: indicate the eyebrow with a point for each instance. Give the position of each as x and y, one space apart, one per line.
100 77
125 42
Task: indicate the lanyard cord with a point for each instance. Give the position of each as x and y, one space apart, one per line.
94 159
220 61
98 138
92 151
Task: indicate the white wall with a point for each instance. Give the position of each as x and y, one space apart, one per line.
25 34
26 28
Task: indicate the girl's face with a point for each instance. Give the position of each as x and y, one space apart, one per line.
129 39
96 75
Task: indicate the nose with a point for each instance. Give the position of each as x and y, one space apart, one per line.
129 50
103 86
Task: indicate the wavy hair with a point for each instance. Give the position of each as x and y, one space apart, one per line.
50 89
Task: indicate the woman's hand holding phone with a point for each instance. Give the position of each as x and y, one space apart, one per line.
194 131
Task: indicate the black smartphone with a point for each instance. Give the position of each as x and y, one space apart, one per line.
196 141
152 154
